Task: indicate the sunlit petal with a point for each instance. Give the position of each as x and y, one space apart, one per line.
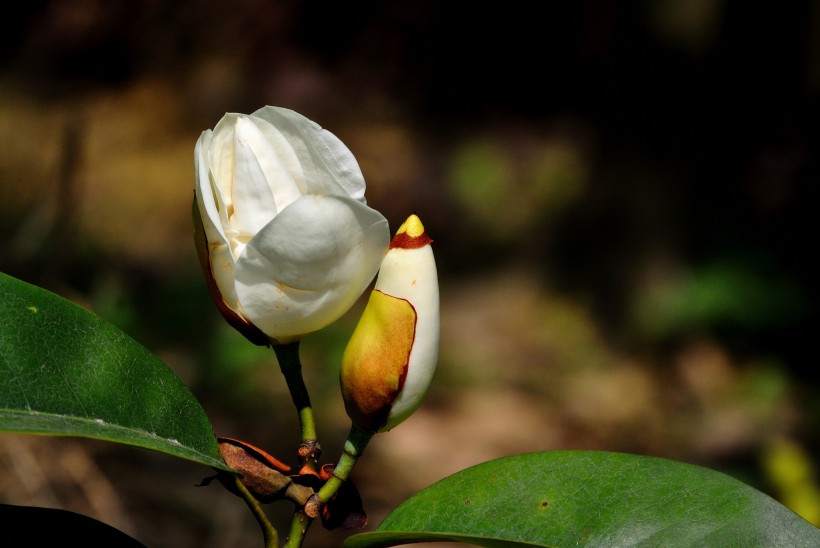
328 165
310 264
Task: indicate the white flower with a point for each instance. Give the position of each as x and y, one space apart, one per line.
287 241
393 352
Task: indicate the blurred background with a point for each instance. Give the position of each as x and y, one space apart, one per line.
622 198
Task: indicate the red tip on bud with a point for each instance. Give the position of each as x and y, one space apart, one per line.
410 235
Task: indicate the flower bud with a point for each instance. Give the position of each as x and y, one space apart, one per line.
284 235
393 352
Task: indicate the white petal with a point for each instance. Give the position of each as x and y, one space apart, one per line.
211 211
221 158
275 156
411 274
309 265
328 165
208 206
253 202
223 269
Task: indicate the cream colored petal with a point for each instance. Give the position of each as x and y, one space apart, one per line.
210 210
220 156
309 265
410 273
286 161
328 165
223 269
253 202
209 207
275 156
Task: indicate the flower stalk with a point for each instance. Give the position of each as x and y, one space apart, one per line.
355 445
298 528
291 367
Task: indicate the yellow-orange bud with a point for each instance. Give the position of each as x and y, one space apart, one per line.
393 352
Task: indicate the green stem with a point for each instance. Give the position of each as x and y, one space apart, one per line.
356 442
291 366
298 528
354 447
270 534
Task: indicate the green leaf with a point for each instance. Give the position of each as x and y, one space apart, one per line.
67 372
590 498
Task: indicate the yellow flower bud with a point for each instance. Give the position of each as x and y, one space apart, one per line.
393 352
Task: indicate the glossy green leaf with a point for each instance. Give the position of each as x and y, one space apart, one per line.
590 498
64 371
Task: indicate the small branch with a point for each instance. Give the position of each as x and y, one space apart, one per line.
270 534
291 366
354 446
356 442
298 528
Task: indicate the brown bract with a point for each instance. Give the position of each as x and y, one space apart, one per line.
268 479
263 475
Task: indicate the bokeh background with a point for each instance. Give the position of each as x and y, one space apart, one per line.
623 198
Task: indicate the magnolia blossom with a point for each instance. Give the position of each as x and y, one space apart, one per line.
393 352
284 234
